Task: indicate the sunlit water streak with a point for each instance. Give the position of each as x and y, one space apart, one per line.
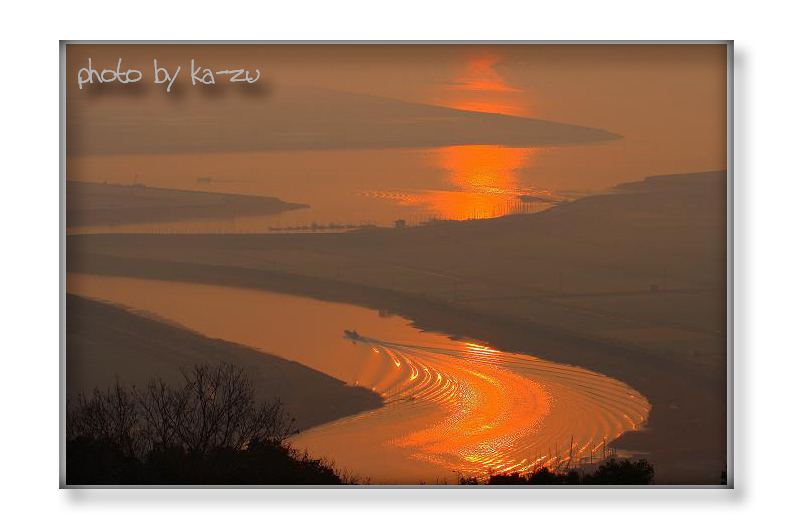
480 410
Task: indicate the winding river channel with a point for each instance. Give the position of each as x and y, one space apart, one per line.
452 406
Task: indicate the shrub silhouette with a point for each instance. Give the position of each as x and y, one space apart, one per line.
545 477
612 472
542 476
624 472
210 430
508 479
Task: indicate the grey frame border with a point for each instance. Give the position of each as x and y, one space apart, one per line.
730 262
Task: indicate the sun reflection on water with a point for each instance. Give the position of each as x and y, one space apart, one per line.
473 409
483 180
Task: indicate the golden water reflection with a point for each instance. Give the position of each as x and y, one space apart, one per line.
484 179
474 410
484 182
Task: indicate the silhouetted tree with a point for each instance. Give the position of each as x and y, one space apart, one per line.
209 430
214 408
109 417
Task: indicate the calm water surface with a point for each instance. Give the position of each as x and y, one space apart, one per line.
373 186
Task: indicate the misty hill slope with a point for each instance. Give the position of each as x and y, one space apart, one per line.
104 341
301 118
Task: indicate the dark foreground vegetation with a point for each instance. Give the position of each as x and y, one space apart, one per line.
208 431
211 430
612 472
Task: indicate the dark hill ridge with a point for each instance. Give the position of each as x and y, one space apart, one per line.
103 341
299 118
692 183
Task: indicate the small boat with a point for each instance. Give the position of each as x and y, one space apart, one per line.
352 335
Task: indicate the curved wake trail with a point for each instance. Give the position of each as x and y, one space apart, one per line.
449 406
474 410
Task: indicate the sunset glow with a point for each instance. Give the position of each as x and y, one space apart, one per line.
479 87
484 179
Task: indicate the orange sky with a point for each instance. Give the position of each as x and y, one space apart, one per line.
597 85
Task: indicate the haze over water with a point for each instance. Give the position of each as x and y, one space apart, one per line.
379 186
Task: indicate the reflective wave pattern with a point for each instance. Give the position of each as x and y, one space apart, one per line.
473 410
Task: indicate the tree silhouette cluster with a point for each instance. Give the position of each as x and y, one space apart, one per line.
209 430
612 472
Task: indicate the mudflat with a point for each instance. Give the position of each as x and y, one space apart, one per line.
104 341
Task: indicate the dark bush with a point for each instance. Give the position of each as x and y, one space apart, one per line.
508 479
99 462
612 472
624 472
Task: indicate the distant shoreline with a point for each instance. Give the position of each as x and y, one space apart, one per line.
98 204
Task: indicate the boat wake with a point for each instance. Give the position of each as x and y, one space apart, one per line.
474 410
